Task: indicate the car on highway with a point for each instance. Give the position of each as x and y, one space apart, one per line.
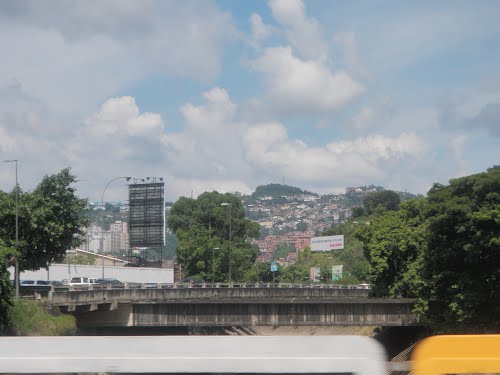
82 281
34 283
364 286
55 283
109 281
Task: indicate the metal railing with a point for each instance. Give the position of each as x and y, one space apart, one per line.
153 285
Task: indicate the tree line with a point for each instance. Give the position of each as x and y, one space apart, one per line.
50 221
443 249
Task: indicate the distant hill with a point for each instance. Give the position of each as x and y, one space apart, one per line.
278 190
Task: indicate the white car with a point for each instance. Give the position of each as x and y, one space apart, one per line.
83 281
34 283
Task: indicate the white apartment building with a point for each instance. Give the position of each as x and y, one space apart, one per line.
93 235
117 238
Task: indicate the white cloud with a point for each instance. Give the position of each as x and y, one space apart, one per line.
363 117
209 145
74 55
338 164
347 41
296 85
260 31
304 33
6 142
121 115
117 140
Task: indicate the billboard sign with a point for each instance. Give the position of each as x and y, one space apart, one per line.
337 272
274 266
147 214
327 243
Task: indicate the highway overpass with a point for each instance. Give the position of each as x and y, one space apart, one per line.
245 305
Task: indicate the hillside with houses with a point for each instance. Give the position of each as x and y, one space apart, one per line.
289 216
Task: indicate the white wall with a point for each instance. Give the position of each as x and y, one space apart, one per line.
125 274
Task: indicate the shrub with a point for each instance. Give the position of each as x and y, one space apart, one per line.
30 318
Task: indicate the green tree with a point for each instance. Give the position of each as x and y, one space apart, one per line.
202 225
394 244
6 289
387 199
302 226
296 273
462 262
282 250
51 221
358 212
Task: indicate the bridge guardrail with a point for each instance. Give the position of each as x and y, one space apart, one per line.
134 285
45 292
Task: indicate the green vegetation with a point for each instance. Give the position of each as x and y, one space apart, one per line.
387 199
282 250
393 244
202 229
352 257
276 191
6 289
29 318
443 250
50 221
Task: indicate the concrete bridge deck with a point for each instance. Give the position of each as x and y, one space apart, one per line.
236 306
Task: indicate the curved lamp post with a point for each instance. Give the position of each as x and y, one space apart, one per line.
230 219
16 265
127 178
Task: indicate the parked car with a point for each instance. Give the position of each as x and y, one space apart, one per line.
83 281
34 283
55 283
109 281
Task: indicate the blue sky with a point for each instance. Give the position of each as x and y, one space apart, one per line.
229 95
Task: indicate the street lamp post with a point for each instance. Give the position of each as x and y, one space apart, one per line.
102 219
230 219
16 264
213 264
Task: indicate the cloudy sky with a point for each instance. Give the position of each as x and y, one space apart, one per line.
228 95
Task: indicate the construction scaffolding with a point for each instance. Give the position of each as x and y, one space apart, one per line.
147 214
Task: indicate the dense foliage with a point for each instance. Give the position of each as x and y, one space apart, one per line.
462 264
202 229
278 190
387 199
6 289
394 243
50 221
443 250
